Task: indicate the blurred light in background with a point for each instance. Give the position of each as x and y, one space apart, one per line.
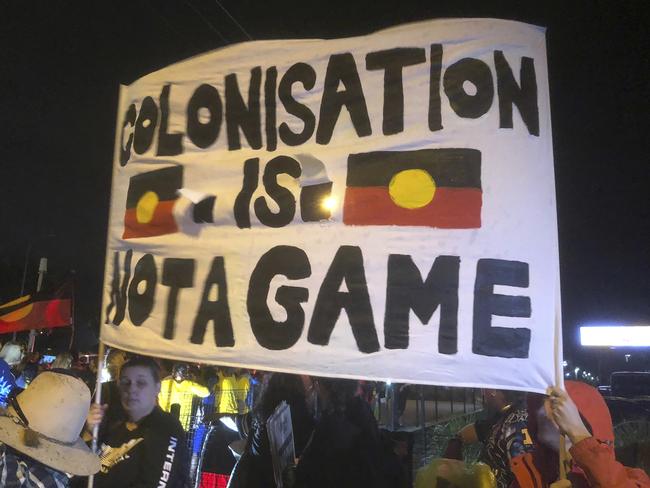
616 336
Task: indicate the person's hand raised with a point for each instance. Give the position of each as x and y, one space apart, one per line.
566 415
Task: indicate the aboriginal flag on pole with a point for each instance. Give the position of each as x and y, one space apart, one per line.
27 312
428 187
150 202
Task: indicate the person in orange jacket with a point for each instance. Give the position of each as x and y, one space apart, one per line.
582 415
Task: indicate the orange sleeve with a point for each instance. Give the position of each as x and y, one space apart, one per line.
601 468
525 472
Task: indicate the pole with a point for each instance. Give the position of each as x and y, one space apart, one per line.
98 401
393 404
559 371
22 285
42 270
100 353
72 327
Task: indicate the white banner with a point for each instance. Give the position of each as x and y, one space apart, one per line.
377 207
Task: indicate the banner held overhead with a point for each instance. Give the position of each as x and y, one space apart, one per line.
377 207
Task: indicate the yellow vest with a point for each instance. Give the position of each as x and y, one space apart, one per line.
182 393
230 394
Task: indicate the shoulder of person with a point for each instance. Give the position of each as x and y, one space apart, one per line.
164 423
336 431
517 415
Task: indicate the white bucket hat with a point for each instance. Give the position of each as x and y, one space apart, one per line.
11 353
51 412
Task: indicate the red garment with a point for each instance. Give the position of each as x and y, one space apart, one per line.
601 468
594 462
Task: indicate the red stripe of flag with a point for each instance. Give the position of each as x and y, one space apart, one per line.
451 208
47 314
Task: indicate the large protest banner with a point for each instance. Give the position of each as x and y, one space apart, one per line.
376 207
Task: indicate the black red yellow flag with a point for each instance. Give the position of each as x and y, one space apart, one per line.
27 312
150 203
428 187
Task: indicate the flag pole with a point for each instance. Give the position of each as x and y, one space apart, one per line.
22 286
100 354
559 371
42 270
121 104
72 304
98 401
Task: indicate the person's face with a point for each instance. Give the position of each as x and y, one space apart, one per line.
493 399
138 391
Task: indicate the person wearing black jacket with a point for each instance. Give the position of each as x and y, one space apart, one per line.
345 450
147 447
255 468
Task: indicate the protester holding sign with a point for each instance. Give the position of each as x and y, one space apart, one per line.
582 415
255 469
147 448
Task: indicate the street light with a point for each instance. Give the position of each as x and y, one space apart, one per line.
27 253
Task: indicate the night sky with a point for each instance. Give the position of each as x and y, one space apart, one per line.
62 63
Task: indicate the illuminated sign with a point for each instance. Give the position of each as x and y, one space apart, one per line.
617 336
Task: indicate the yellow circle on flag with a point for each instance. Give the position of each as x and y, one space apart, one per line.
146 207
19 314
412 188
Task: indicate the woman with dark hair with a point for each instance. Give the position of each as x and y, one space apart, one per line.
146 446
345 449
255 468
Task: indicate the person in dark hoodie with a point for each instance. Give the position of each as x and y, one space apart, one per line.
345 450
255 468
581 414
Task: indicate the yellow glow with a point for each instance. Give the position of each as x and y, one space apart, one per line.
329 203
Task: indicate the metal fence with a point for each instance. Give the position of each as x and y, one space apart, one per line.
202 419
415 406
425 411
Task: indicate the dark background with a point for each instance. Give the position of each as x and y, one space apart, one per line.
61 64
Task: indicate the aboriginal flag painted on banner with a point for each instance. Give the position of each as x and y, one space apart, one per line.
27 312
150 202
428 187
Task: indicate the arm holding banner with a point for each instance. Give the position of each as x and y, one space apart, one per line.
595 457
580 413
94 420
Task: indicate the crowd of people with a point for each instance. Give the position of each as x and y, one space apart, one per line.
150 407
